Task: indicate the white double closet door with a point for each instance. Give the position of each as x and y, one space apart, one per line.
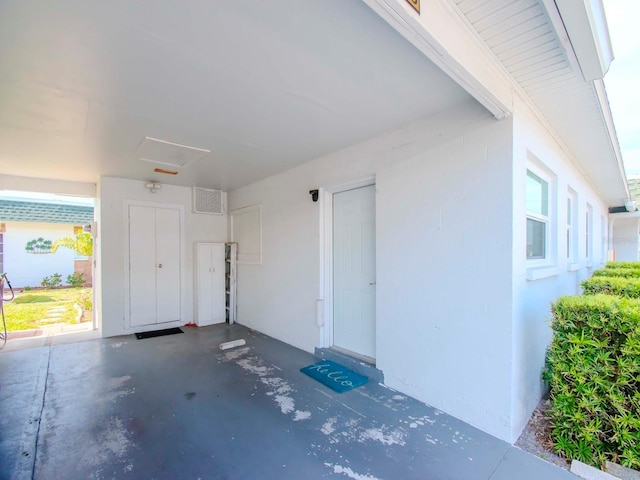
154 265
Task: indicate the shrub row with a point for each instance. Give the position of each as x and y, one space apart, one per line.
617 272
593 370
76 279
628 287
615 265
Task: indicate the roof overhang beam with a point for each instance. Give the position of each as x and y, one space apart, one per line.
442 34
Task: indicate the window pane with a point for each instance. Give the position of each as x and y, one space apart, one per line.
587 232
536 238
537 194
569 227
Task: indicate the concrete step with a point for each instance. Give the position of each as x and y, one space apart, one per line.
352 363
623 473
612 471
588 472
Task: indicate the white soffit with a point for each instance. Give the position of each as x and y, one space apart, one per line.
42 109
266 86
530 44
168 153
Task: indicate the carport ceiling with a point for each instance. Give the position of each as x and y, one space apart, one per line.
265 86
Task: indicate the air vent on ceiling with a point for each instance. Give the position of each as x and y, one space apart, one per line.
208 201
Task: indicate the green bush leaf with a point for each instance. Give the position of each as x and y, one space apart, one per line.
593 371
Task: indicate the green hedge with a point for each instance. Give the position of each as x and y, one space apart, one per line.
593 369
614 265
618 272
619 286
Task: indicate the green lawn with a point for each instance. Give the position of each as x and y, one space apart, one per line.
31 309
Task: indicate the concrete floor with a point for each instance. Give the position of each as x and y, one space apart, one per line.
48 336
177 407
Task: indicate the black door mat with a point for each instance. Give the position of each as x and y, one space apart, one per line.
158 333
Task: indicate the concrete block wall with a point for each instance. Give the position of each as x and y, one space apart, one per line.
538 283
443 226
113 194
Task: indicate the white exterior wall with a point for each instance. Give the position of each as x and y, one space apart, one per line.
443 254
114 193
625 238
28 269
532 298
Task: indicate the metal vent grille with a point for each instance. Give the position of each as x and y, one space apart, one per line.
208 201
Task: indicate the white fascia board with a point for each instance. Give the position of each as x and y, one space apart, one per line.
607 117
586 25
47 185
609 191
446 39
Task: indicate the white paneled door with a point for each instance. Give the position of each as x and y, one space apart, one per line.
154 265
210 266
354 271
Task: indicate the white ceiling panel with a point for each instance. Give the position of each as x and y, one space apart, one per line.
265 86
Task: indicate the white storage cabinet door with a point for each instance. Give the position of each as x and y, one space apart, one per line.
211 284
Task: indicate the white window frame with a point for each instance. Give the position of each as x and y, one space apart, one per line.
588 235
540 268
548 219
572 229
250 216
603 240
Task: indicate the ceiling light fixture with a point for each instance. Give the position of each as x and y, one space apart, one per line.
153 186
630 205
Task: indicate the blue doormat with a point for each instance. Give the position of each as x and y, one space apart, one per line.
334 376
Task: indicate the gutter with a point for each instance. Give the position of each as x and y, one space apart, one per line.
586 25
582 29
607 118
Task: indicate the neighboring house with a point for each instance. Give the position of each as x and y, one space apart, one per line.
461 163
24 221
624 223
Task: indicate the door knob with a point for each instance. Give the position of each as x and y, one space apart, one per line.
372 283
159 265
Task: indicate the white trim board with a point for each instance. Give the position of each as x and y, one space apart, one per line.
244 256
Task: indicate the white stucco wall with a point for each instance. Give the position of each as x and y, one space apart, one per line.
626 241
113 194
443 254
532 298
27 269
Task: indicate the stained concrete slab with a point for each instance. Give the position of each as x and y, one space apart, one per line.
521 465
50 335
22 386
178 407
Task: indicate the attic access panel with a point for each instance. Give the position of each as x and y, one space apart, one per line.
168 153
